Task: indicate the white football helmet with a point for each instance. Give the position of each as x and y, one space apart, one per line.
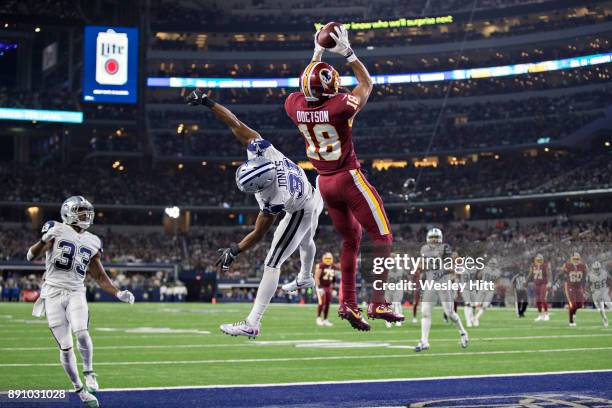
596 265
76 210
255 175
434 236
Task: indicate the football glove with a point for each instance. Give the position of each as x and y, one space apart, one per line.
198 97
227 256
343 46
318 50
126 296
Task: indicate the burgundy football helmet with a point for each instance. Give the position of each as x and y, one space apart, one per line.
319 80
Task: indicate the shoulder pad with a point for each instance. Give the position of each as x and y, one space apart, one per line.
48 225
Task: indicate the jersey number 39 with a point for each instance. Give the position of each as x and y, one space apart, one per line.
324 144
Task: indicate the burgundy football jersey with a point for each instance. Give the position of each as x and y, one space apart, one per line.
576 274
328 274
540 273
327 130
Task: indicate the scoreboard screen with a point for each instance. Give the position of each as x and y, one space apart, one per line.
110 72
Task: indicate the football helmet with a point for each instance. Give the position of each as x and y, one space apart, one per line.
596 265
77 211
328 258
575 259
539 259
434 236
255 175
319 80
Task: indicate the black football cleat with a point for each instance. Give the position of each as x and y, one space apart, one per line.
354 317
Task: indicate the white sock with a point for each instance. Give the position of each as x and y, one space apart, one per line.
86 349
267 288
455 319
425 326
307 255
397 307
468 313
480 312
68 360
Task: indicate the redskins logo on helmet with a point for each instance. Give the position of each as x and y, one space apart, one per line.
319 80
328 258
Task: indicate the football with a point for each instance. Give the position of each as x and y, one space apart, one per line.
323 38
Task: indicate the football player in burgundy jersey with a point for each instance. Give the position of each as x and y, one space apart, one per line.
574 274
325 118
325 276
540 273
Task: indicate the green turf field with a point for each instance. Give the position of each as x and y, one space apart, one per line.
291 347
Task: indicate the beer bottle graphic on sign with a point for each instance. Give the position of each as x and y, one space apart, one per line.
111 58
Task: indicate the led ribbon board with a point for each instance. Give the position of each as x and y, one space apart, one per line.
407 78
41 115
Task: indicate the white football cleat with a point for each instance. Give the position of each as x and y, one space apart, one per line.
327 323
88 399
468 323
539 318
464 340
572 324
546 317
605 322
319 321
294 285
91 382
415 320
389 325
476 323
398 324
420 347
240 329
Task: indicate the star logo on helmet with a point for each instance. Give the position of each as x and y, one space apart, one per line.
259 151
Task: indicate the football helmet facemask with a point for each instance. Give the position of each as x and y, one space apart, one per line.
77 211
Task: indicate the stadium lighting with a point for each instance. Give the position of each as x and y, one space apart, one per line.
414 77
172 212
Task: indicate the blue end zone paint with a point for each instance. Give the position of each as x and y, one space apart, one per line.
488 390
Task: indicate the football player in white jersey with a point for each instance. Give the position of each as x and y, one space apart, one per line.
468 295
71 252
434 252
597 278
279 185
491 273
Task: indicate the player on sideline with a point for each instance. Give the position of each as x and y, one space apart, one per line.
598 285
491 273
71 252
574 274
278 185
541 275
325 276
325 119
436 252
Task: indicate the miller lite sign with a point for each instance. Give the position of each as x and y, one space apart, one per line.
111 58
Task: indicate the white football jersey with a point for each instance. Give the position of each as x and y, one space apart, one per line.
598 279
291 190
68 259
434 257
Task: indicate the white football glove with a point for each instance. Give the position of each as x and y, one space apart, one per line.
126 296
318 50
343 46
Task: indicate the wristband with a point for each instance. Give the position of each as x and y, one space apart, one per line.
30 255
350 56
235 249
208 102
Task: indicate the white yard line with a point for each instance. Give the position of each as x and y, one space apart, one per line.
323 358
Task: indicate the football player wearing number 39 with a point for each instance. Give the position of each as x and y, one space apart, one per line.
71 252
325 118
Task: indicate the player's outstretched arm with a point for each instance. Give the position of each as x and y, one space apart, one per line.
343 47
243 133
37 249
262 225
96 269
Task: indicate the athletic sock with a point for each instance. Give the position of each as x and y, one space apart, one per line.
86 349
68 360
480 312
307 255
267 288
468 313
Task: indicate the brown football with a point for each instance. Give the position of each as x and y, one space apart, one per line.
323 38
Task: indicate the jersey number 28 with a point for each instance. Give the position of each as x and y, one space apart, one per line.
324 144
